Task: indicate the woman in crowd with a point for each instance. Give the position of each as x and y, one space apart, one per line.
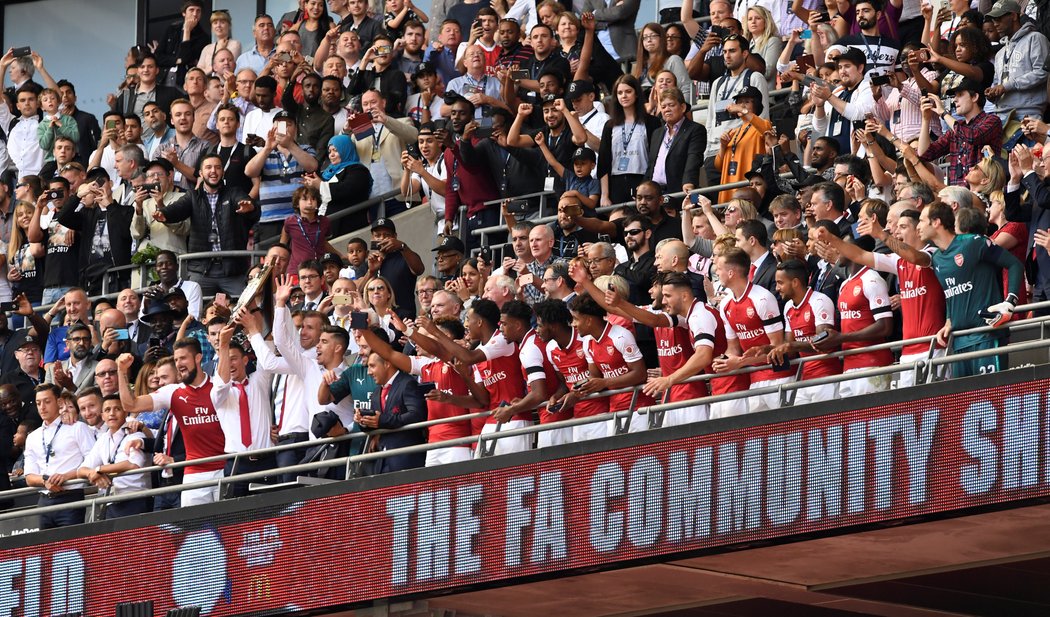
664 81
622 288
678 41
25 260
220 30
970 56
469 284
603 68
313 25
152 377
550 12
344 182
761 31
623 154
653 57
985 179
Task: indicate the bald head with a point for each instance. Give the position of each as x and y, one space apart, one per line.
112 318
672 255
541 242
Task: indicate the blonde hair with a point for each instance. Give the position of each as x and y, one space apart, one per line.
993 170
747 209
619 284
723 243
18 236
770 31
787 235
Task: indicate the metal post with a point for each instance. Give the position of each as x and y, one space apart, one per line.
622 424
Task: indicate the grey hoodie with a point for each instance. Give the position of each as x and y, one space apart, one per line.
1019 68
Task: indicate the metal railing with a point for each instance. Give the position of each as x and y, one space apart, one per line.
354 465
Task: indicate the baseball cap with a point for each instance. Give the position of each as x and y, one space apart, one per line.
854 56
283 115
966 85
29 340
1002 8
324 422
584 154
424 68
174 292
548 98
579 88
450 243
332 258
749 92
384 223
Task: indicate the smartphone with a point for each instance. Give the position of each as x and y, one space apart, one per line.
484 128
610 287
122 334
54 195
555 408
340 300
694 198
358 320
519 74
880 80
719 31
154 341
806 34
986 152
150 187
605 238
808 80
100 181
518 206
374 246
819 337
413 151
111 124
485 255
805 62
427 386
222 299
19 52
781 366
282 128
824 16
383 50
284 57
7 307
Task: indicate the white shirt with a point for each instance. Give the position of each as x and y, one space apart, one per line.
227 400
193 297
292 413
109 449
69 445
259 122
24 147
308 371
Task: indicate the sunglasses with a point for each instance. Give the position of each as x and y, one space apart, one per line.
632 232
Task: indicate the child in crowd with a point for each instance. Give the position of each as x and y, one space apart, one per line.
54 124
578 180
305 232
399 12
357 258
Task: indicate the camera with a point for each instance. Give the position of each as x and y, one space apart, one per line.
150 187
8 307
484 127
719 31
54 195
880 80
518 206
413 151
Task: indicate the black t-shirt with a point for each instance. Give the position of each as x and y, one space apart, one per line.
62 259
233 167
881 51
567 245
395 269
554 61
669 227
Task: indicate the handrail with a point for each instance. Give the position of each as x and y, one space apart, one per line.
703 104
528 430
335 216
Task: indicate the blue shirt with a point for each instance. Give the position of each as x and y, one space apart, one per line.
280 177
56 349
587 185
444 61
254 60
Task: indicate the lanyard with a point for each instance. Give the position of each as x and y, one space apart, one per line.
625 137
872 58
553 143
376 136
728 92
113 458
317 235
48 450
669 136
588 118
739 136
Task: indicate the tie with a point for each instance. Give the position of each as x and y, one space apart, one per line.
246 421
751 273
382 397
280 393
169 433
309 306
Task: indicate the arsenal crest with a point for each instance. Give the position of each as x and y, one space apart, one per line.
629 350
610 349
805 316
579 352
750 311
959 259
856 290
444 369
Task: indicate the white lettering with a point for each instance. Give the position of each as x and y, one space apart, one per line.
518 518
978 424
689 495
606 526
548 537
645 501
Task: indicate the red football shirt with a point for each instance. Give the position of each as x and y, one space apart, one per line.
922 299
864 298
815 309
612 351
451 382
750 319
572 365
198 422
501 374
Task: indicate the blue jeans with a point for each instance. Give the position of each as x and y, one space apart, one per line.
52 295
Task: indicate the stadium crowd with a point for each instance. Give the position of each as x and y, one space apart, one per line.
886 177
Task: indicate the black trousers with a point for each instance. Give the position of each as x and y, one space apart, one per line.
62 518
287 458
242 465
120 509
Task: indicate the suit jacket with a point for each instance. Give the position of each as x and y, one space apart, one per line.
84 221
1032 211
404 405
233 227
84 380
90 133
177 451
766 274
618 19
827 283
685 158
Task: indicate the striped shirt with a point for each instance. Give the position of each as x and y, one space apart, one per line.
281 175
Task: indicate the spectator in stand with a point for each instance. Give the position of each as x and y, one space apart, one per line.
305 232
76 373
157 134
280 165
107 458
740 145
476 85
314 122
615 28
653 58
359 22
442 54
1030 174
382 149
427 174
129 303
752 238
144 229
186 149
87 124
965 138
23 143
54 124
569 237
103 232
256 58
53 456
167 269
469 184
394 261
377 66
197 87
1020 66
397 401
221 25
850 102
183 42
226 229
752 320
25 259
678 146
344 180
260 116
148 90
623 155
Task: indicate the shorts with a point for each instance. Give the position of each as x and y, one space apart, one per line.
816 394
728 409
685 415
639 422
978 366
507 445
863 385
554 437
762 402
199 496
906 379
594 430
444 456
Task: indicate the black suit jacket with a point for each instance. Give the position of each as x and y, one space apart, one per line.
1035 213
404 405
83 221
684 159
90 133
177 451
766 274
233 227
163 95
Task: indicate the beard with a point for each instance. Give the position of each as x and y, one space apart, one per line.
80 353
865 24
190 377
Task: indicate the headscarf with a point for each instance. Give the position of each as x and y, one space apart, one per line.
347 156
